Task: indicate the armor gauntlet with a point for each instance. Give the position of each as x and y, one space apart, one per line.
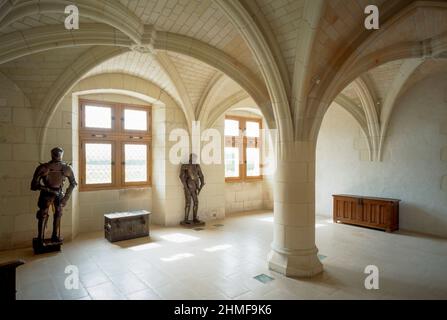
70 188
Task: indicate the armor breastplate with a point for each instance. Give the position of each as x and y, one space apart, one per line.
55 176
192 172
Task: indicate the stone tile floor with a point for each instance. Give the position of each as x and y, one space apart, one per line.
220 262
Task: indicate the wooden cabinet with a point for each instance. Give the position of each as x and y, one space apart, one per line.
8 280
377 213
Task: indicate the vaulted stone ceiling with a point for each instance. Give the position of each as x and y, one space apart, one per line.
194 74
39 20
341 22
201 20
138 64
382 78
277 51
36 74
197 19
379 81
425 69
284 18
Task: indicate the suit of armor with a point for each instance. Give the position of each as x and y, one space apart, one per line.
193 181
49 179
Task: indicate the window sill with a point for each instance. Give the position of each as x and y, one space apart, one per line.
114 188
246 180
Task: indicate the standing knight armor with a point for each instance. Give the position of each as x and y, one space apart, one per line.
193 181
49 179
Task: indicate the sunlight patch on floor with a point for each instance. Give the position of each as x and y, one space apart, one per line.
179 237
218 248
176 257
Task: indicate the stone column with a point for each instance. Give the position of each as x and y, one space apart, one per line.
293 251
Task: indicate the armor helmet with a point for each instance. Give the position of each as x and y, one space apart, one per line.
57 154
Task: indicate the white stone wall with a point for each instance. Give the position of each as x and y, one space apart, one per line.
212 197
414 168
174 202
20 154
94 204
17 203
158 165
165 198
249 195
19 157
244 196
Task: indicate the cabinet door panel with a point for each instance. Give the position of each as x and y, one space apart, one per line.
345 209
376 213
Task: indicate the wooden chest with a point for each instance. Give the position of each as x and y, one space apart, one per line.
377 213
126 225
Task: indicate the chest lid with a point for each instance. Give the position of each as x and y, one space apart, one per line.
128 214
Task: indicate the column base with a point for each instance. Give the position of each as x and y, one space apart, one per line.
300 264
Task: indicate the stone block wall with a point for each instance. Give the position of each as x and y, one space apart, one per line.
244 196
250 195
413 167
19 156
94 204
20 153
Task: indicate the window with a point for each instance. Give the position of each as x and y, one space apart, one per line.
115 145
242 149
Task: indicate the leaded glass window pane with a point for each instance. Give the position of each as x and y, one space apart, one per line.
253 165
135 162
98 162
231 162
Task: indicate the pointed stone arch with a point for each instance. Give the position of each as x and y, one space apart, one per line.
359 116
213 86
52 38
112 13
27 42
313 10
244 22
372 118
224 106
406 70
176 79
222 62
67 80
357 63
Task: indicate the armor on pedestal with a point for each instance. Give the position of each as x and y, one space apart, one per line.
193 181
49 179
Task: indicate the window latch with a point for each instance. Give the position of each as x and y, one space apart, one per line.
99 135
136 137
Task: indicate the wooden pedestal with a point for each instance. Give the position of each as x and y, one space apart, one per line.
192 224
46 247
